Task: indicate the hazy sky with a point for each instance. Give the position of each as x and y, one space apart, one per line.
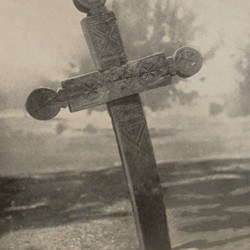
227 23
39 38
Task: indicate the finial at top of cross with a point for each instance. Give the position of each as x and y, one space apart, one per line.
89 6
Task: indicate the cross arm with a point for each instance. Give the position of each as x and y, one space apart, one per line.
97 88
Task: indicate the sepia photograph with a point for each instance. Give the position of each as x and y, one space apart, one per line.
124 125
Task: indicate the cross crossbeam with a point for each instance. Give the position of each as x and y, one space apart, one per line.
96 88
118 83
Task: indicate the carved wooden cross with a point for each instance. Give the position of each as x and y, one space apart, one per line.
117 83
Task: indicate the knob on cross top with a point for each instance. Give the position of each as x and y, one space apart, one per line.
86 5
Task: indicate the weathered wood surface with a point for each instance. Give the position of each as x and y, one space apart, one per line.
135 77
132 138
139 165
118 83
104 40
141 75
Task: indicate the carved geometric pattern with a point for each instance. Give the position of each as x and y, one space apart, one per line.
130 114
103 33
139 163
90 91
100 87
149 71
134 133
105 41
131 122
135 77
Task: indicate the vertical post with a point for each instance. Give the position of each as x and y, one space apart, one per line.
132 135
140 168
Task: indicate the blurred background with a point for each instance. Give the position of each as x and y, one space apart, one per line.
204 118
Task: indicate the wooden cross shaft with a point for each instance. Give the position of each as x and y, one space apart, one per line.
118 84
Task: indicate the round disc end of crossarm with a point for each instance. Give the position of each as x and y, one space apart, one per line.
42 104
86 5
188 61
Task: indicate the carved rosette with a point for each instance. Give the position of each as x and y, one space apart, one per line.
151 69
90 90
148 71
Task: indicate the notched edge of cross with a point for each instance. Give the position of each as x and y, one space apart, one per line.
97 88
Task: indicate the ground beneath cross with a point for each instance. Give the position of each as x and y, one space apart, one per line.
91 210
71 199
